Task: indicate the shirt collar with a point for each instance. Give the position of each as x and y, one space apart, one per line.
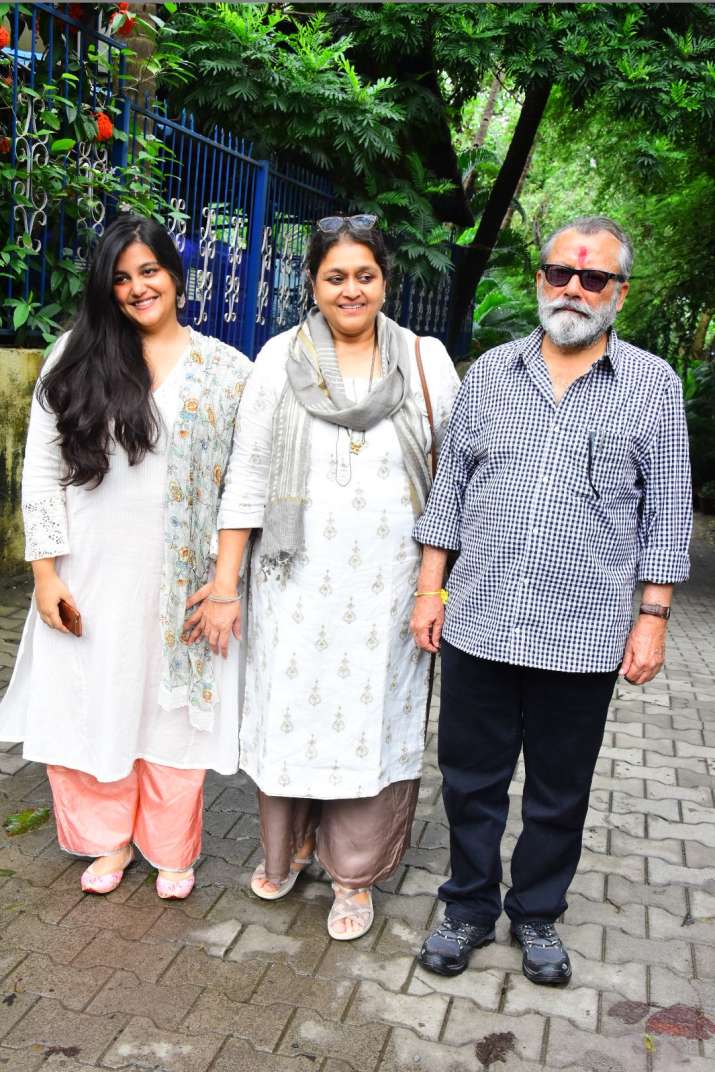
528 350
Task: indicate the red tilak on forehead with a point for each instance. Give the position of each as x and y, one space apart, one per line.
582 254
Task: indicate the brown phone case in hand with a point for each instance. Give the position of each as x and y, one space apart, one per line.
70 617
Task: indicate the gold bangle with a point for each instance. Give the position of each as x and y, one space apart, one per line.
441 592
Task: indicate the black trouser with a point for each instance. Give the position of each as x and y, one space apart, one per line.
489 712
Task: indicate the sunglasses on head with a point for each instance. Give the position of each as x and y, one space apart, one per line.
364 221
593 279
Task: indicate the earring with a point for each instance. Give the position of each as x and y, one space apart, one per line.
180 301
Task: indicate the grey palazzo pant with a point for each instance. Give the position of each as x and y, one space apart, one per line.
358 841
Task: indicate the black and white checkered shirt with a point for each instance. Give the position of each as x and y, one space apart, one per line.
559 510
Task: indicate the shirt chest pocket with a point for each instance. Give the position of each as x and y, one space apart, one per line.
610 463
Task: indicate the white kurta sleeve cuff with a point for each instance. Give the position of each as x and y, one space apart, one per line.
45 527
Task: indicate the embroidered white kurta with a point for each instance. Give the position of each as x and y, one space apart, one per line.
91 703
336 690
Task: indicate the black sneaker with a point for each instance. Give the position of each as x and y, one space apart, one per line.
545 958
447 950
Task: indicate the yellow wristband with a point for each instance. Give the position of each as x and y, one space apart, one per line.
441 592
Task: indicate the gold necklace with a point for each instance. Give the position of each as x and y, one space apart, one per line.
356 445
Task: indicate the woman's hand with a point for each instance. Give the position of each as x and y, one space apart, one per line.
427 621
49 590
215 621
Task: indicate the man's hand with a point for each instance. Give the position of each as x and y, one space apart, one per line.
427 621
645 650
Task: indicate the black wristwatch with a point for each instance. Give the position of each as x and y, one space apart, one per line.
656 609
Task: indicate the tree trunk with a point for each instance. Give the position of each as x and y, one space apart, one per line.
468 181
470 271
520 186
701 331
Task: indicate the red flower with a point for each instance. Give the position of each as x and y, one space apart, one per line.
122 7
5 146
105 127
126 28
77 11
4 37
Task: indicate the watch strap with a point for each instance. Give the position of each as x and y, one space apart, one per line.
656 609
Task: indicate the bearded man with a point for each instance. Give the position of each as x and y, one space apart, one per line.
563 483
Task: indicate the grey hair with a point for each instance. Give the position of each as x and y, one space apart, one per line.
592 225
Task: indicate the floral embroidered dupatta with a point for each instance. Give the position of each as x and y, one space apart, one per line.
214 375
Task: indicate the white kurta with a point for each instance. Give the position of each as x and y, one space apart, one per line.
336 690
91 703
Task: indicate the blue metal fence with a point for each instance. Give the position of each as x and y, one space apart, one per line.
241 224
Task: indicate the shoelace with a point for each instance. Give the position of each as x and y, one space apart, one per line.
540 933
458 932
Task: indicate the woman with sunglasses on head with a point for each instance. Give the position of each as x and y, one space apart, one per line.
130 432
330 467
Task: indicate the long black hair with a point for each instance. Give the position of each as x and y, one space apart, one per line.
100 387
321 242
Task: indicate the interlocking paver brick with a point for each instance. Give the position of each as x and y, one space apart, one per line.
345 960
238 1055
624 949
579 1004
422 1013
480 985
257 943
111 950
101 914
74 987
175 926
125 993
141 1045
49 1023
360 1045
281 985
216 1014
25 1061
572 1049
61 944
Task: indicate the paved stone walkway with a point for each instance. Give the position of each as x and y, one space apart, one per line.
226 983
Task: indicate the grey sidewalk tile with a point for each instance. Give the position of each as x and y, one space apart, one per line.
125 993
240 904
26 1061
216 1014
466 1024
281 985
196 967
345 960
238 1055
579 1004
141 1045
111 950
630 918
669 988
422 1013
360 1045
665 925
624 949
49 1024
701 832
175 926
661 873
580 1051
257 943
667 849
479 985
62 944
104 915
13 1007
73 986
700 794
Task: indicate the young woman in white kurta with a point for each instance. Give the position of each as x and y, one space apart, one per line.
336 691
126 763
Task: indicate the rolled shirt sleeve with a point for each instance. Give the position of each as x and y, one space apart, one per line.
667 516
440 524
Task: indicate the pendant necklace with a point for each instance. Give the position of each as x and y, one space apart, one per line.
355 440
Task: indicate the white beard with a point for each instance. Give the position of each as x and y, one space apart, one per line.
571 323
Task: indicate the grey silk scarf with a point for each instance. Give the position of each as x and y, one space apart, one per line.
315 389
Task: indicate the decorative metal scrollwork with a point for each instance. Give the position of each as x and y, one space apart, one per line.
176 225
30 150
237 246
204 275
263 285
91 210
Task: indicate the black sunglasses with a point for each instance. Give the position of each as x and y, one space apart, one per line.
593 279
365 221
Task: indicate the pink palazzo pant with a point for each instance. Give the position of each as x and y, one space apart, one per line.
158 808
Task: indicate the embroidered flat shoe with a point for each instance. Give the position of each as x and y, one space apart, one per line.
345 907
448 948
545 959
170 890
102 884
297 866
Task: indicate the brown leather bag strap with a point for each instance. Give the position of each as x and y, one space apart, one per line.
428 404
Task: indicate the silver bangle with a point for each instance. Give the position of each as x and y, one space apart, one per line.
223 599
